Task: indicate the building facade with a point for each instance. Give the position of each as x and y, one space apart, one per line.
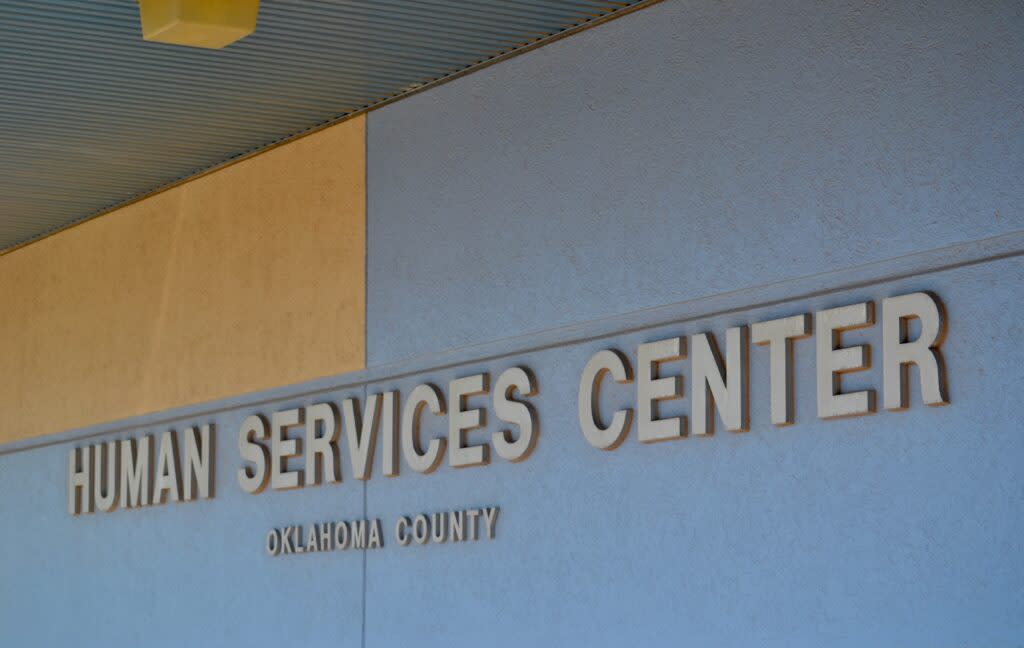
399 383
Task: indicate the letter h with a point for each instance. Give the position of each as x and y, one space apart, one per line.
79 480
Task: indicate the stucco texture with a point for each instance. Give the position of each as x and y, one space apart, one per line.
895 529
685 150
246 278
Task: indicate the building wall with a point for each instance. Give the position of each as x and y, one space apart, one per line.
683 169
689 150
241 280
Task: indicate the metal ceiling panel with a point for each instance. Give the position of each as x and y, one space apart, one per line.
92 116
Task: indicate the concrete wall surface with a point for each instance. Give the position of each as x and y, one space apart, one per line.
689 149
687 168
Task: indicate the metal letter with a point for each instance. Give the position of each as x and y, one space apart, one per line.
341 536
282 448
136 482
286 540
322 458
778 335
650 390
834 360
253 480
199 462
461 421
401 535
491 520
80 481
167 486
726 387
424 461
421 529
273 542
603 362
326 533
389 420
361 434
898 353
376 537
458 525
359 534
312 535
471 516
106 469
517 413
438 527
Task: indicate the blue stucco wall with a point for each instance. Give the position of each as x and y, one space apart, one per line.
697 149
897 529
685 150
172 575
715 164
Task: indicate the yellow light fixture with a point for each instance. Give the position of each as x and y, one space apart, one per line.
212 24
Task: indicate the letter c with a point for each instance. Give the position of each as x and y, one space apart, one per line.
603 362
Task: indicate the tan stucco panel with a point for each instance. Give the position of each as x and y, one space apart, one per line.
247 278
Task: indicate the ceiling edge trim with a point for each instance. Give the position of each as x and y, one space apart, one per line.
469 69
